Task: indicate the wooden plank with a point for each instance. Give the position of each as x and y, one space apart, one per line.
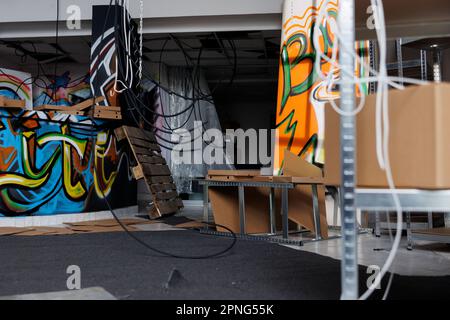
88 103
145 151
140 134
159 179
166 195
275 179
107 108
108 115
54 108
162 187
145 144
154 213
155 169
13 103
151 159
74 112
308 180
166 207
236 173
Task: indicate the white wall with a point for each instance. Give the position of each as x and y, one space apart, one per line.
32 18
45 10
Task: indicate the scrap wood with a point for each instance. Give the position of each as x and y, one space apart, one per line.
234 173
44 231
191 224
105 114
7 231
100 229
12 103
110 222
88 103
77 107
153 169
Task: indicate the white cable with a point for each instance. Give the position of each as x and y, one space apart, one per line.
323 16
141 36
127 39
381 35
382 121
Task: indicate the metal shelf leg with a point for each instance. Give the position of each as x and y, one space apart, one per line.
349 263
284 212
377 224
408 231
272 211
241 209
205 205
316 212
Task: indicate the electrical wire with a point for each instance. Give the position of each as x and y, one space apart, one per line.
56 49
131 234
382 116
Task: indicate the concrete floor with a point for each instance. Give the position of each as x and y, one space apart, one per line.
427 258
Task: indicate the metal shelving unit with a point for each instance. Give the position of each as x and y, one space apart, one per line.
351 198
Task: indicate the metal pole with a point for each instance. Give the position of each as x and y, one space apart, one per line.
423 65
398 46
316 212
349 268
437 72
373 64
272 211
205 205
241 209
284 211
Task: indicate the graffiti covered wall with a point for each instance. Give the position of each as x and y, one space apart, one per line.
16 85
47 163
63 90
302 95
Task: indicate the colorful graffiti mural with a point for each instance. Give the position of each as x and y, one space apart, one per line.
302 95
103 53
16 85
47 166
63 90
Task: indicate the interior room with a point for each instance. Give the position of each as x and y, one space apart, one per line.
238 150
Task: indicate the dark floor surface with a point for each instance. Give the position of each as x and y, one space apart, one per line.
252 270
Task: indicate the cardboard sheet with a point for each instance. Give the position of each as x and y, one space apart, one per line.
99 229
44 231
225 201
7 231
110 222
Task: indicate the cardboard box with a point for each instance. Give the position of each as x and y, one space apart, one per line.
419 143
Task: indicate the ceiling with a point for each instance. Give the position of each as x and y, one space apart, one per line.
257 53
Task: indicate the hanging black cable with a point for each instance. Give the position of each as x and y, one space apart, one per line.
131 234
56 51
